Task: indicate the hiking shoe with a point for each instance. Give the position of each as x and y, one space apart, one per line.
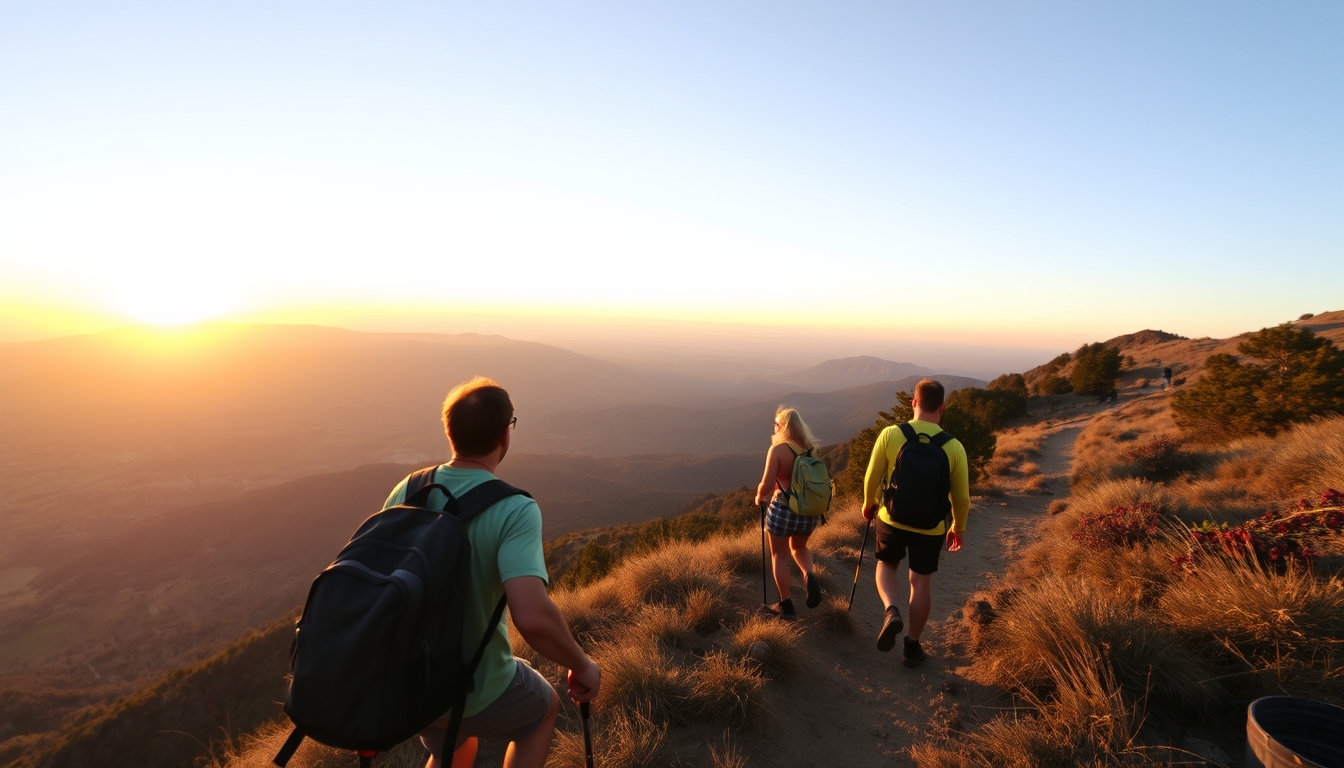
914 655
784 610
891 627
813 591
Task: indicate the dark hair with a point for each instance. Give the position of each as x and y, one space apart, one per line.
476 414
929 393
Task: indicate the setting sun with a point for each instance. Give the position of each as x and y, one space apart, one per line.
170 305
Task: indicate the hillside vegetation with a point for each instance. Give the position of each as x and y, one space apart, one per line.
1181 578
180 717
1163 598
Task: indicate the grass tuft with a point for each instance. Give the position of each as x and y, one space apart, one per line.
630 739
775 643
670 575
833 616
728 690
636 677
728 755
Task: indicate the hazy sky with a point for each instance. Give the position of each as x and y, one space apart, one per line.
1028 174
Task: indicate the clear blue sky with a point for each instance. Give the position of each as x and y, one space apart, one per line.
1027 173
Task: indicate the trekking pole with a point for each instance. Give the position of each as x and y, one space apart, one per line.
587 735
765 596
868 526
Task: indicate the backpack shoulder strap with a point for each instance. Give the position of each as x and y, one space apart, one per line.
911 436
483 496
460 700
941 439
419 483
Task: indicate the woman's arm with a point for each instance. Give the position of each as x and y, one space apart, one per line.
767 487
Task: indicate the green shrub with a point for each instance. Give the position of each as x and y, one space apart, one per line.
1052 384
1014 383
1095 370
593 562
1297 376
991 407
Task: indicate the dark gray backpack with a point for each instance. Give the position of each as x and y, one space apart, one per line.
921 481
378 651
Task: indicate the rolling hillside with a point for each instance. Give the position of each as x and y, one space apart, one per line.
97 616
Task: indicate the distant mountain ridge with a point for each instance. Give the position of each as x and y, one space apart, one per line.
848 372
635 428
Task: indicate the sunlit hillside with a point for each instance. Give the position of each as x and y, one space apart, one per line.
169 591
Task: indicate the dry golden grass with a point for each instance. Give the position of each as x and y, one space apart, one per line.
630 739
728 755
1304 461
1096 639
1097 452
669 575
1087 722
636 677
741 554
259 748
728 690
1036 484
843 528
1136 574
1048 626
1029 468
1284 631
781 653
593 612
656 626
834 617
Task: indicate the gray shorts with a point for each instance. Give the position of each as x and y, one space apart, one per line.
511 717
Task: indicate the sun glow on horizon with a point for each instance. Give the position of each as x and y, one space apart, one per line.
171 306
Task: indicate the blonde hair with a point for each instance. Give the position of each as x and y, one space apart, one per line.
793 429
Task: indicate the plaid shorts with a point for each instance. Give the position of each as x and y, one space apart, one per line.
782 521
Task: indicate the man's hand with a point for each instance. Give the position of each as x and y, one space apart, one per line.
869 511
583 683
953 541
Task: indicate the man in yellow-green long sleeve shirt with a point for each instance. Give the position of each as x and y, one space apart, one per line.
914 515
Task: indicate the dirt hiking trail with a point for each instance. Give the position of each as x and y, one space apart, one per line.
853 705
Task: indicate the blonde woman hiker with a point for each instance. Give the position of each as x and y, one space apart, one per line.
788 531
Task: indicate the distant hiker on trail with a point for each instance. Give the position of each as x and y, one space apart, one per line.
1166 379
511 701
788 530
917 478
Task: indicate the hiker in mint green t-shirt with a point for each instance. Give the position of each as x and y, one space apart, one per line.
511 701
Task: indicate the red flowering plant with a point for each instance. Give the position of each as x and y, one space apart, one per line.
1275 537
1123 526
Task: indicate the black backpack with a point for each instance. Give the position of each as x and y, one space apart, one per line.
377 653
921 481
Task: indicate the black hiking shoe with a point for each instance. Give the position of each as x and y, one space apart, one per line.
784 610
891 627
914 655
813 591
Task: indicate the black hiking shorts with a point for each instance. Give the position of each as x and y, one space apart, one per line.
893 542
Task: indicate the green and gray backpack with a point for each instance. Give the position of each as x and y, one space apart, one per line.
810 490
